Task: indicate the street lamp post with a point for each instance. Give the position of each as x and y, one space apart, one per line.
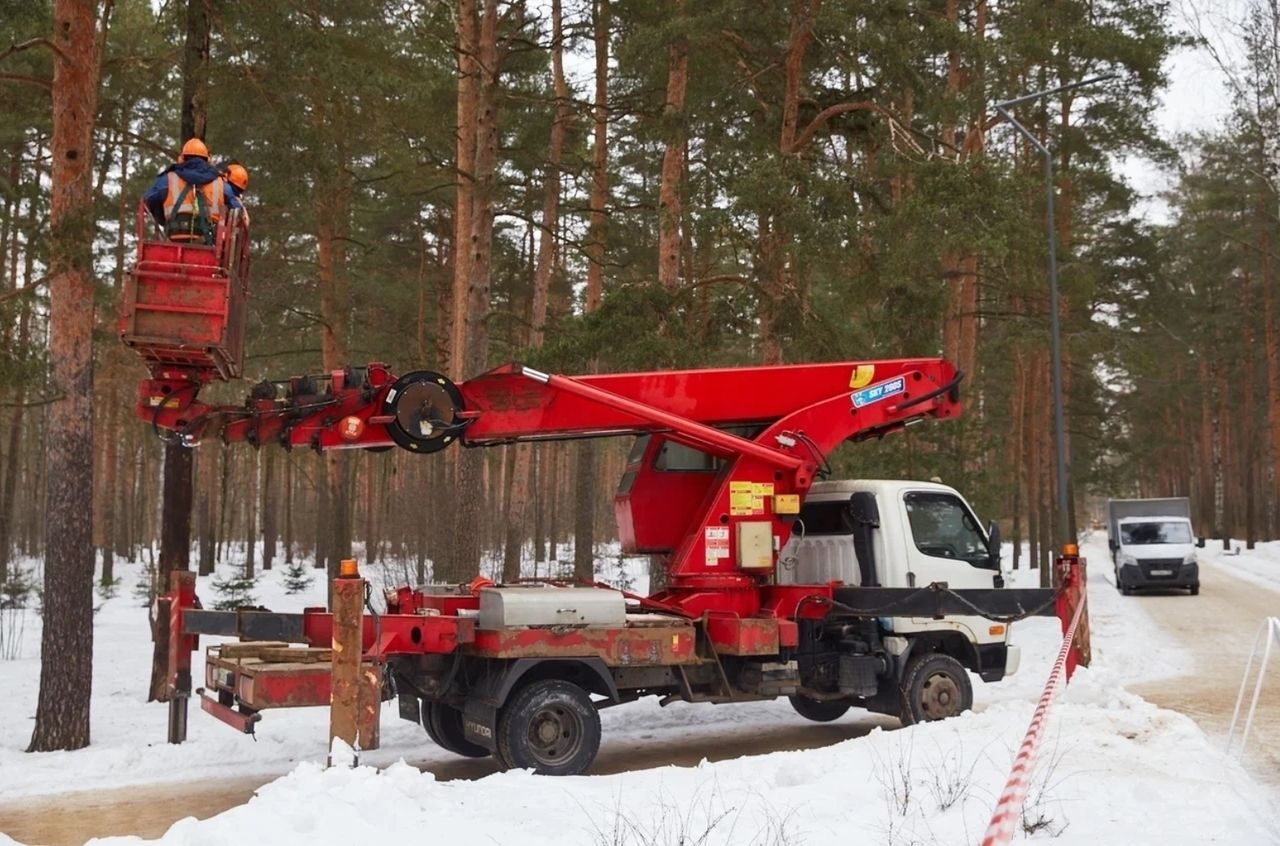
1059 424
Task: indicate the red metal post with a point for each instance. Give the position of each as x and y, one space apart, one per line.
1072 593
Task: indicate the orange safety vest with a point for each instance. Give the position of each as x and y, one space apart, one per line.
183 208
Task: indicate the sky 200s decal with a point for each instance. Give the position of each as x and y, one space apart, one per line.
880 390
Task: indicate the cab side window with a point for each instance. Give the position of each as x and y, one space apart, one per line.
942 527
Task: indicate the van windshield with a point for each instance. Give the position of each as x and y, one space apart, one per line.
1156 531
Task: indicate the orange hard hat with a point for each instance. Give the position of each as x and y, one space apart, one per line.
195 147
238 176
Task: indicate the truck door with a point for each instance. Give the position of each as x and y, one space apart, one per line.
944 544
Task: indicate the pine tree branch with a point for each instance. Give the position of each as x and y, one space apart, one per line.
33 42
25 289
40 82
34 403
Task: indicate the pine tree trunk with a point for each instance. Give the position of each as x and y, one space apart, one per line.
468 87
107 491
1271 346
522 463
469 492
320 537
251 518
269 499
584 513
206 470
1018 418
599 159
175 530
195 70
1248 425
288 511
333 209
66 642
670 189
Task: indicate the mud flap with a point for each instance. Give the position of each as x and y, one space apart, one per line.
480 723
410 708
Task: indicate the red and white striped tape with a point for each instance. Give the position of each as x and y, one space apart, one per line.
1003 821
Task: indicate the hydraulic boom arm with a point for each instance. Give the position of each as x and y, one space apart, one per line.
763 434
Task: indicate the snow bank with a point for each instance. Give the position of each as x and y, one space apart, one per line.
1115 770
1260 565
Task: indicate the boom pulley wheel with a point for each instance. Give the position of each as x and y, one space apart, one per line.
424 406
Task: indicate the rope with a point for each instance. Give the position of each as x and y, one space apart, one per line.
1003 820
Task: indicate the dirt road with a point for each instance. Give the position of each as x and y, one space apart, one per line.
70 819
1217 628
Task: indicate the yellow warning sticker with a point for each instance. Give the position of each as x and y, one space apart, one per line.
786 504
862 375
741 495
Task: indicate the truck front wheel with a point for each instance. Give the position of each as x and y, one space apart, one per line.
550 727
818 710
934 687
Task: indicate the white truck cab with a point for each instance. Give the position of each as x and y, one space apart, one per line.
901 534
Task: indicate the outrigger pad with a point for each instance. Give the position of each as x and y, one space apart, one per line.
424 406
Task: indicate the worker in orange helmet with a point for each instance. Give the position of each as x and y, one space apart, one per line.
238 176
238 179
189 197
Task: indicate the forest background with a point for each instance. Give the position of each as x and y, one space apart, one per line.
603 185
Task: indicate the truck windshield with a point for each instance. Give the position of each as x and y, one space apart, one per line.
944 528
1137 534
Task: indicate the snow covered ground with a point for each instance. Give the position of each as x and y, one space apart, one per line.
1260 565
1115 769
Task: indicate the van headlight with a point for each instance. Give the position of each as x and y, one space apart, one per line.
1190 559
1127 560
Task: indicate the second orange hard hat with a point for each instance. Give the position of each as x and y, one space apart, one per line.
238 176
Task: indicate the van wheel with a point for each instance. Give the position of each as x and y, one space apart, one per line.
1195 590
934 687
818 710
551 727
443 723
1125 590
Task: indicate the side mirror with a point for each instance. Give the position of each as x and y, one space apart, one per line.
993 544
1111 542
1200 543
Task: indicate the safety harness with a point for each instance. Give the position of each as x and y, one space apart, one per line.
192 212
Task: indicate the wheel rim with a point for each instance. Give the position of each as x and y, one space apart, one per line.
555 735
940 697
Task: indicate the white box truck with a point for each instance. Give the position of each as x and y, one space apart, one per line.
1152 544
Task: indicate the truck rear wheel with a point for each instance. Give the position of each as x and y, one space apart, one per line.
443 723
818 710
551 727
934 687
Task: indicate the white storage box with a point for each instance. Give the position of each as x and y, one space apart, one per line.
543 605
